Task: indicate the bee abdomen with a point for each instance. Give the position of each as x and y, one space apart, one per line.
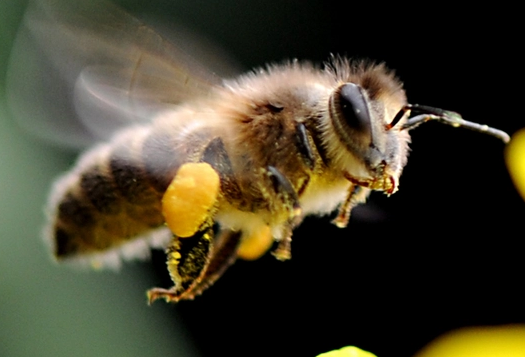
106 201
100 190
114 193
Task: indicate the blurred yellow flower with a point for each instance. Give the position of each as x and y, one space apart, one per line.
349 351
515 158
490 341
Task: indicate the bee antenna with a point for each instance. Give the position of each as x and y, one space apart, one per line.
454 119
398 116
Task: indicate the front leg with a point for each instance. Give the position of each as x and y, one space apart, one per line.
356 195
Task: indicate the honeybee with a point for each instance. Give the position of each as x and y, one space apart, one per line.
220 170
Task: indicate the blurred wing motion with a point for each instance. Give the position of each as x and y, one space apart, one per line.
90 65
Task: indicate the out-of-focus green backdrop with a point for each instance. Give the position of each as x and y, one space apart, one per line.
442 253
46 310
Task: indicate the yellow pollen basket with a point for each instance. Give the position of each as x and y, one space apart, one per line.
190 198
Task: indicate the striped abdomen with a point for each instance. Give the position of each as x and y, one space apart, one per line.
114 192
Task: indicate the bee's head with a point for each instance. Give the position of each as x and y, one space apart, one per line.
373 153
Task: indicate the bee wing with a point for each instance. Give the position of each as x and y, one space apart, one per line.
81 70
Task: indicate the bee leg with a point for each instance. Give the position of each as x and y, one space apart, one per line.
356 195
303 144
188 207
187 261
284 248
196 263
224 255
284 188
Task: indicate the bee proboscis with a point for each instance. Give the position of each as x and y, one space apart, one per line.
223 170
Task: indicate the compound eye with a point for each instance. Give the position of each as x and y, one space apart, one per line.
353 108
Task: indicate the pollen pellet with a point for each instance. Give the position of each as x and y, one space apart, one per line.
254 245
190 197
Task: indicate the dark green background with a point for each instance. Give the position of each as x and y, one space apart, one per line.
444 252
